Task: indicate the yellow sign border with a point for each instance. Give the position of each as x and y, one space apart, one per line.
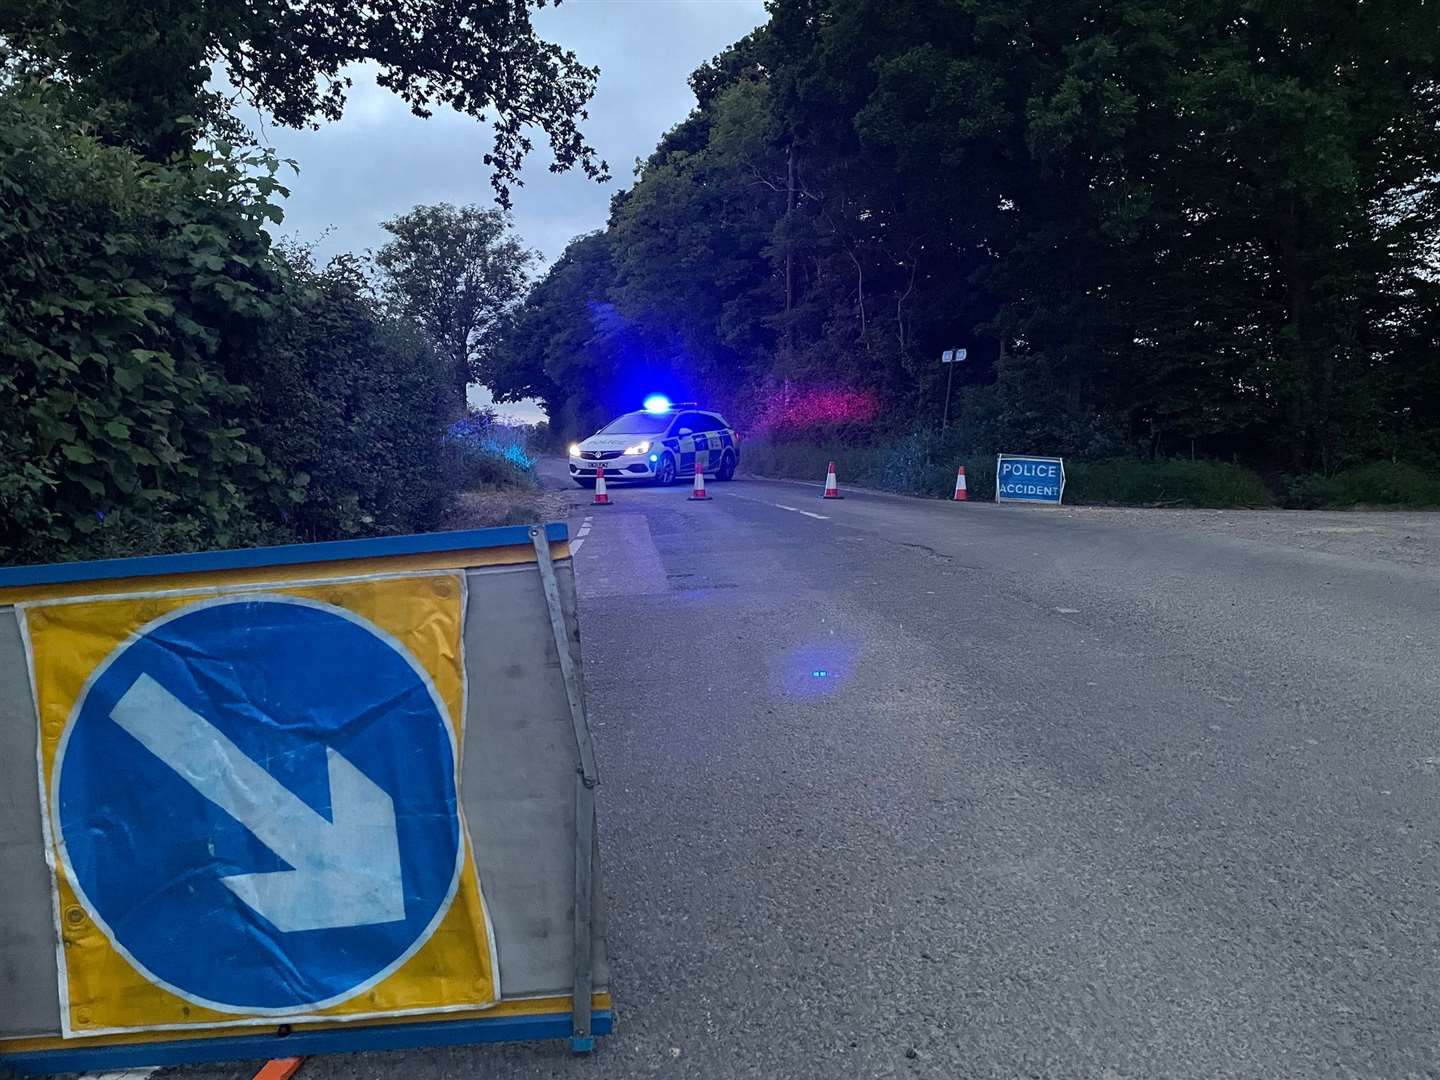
466 905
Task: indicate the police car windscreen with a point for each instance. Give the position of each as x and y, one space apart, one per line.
636 423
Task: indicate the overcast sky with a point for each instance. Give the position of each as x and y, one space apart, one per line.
378 161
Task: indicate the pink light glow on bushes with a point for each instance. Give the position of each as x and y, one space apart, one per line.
799 410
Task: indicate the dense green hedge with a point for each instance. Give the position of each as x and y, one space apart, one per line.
902 466
169 382
122 285
1382 483
351 406
1132 482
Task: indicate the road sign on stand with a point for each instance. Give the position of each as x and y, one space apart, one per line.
1020 478
252 821
310 831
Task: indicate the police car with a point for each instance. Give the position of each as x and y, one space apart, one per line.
661 442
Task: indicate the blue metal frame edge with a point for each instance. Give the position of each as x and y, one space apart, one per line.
301 1043
283 555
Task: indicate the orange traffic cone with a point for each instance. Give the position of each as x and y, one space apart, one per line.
960 494
697 493
832 487
601 497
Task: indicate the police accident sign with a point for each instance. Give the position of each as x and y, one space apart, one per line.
1029 479
251 803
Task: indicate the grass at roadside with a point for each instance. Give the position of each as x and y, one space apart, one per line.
907 466
494 474
1129 482
1382 483
489 506
901 467
904 467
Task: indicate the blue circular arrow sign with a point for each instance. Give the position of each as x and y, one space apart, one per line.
256 801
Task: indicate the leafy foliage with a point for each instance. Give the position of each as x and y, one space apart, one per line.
1177 482
147 63
1163 227
349 406
125 288
169 382
1381 483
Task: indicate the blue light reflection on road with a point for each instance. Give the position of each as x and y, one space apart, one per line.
816 669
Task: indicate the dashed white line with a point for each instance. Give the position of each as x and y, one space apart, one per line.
580 534
778 506
797 510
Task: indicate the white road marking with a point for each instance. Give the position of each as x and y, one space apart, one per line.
797 510
1068 610
632 565
581 533
778 506
127 1074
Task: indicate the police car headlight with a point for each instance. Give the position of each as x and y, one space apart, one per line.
574 449
638 448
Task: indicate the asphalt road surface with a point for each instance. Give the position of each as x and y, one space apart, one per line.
915 789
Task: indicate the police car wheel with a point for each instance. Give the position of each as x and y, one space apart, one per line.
727 467
665 473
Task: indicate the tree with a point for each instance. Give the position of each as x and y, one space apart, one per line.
1174 226
146 64
457 272
549 349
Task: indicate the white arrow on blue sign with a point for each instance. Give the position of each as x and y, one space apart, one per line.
256 801
346 870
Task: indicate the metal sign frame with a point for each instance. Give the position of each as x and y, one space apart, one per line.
586 777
